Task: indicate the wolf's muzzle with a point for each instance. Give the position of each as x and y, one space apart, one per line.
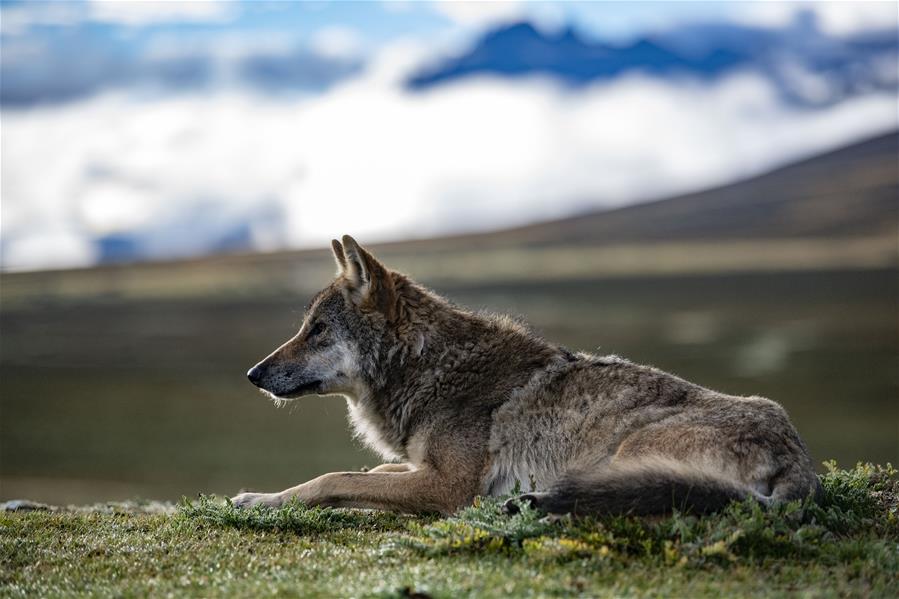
255 376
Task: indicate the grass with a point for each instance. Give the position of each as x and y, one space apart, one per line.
846 546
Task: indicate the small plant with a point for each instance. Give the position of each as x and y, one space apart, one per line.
480 527
866 496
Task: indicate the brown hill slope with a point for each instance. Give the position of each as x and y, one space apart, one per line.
849 192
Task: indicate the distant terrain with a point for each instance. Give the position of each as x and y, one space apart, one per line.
846 194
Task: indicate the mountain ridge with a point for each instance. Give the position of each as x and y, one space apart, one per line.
808 67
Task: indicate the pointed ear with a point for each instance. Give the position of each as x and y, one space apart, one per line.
369 282
357 267
339 257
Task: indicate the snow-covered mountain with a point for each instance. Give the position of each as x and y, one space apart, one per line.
808 66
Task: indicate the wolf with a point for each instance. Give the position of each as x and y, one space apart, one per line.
462 404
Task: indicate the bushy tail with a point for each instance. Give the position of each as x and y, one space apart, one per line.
640 489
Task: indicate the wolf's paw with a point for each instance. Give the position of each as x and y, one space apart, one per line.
513 506
248 500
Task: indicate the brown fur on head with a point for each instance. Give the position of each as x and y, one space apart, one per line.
368 283
344 330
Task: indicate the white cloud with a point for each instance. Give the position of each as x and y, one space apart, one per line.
112 207
18 18
480 13
337 42
371 159
149 12
49 248
834 17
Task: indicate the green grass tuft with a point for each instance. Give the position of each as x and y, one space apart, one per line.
292 517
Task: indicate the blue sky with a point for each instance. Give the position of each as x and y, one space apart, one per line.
375 21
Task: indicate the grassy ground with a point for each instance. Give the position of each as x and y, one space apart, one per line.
847 546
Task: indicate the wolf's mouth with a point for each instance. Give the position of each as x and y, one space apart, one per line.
304 389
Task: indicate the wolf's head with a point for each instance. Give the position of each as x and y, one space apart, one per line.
343 332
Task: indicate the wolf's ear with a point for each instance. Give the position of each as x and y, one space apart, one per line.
357 267
363 272
339 256
369 283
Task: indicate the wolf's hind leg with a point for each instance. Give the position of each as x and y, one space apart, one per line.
637 488
795 482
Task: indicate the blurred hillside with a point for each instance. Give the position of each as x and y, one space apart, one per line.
836 210
847 194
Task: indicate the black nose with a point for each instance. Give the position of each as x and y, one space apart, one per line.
255 375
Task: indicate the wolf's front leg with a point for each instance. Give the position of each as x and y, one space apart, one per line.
392 468
248 500
421 490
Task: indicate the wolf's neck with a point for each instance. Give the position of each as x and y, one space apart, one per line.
455 364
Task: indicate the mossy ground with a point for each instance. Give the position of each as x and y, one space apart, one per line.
846 546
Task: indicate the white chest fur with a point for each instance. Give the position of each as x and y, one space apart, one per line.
368 426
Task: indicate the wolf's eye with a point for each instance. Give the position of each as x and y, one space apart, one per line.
317 328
